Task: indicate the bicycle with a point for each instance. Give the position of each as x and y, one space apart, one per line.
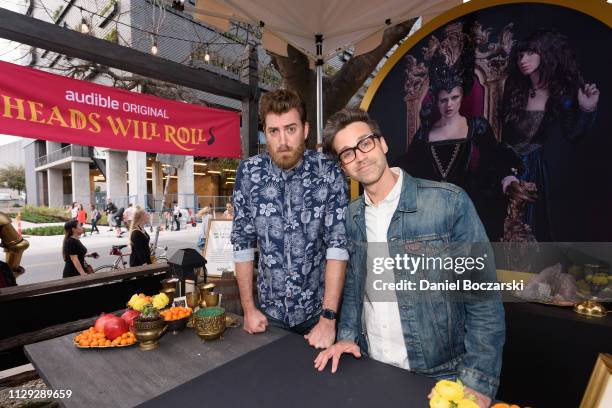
159 253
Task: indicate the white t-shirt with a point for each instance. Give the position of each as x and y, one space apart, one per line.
380 311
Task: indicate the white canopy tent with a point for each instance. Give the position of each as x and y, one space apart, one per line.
319 28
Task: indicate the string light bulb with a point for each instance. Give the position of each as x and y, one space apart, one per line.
154 49
207 57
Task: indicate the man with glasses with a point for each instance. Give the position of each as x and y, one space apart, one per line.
290 202
438 333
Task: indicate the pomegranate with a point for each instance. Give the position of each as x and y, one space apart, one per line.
114 327
99 325
129 317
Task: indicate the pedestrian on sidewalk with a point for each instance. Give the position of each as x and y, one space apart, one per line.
110 211
139 239
81 216
95 217
128 215
74 252
118 217
177 214
228 214
74 211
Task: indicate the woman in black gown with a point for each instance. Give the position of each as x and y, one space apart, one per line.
545 102
451 148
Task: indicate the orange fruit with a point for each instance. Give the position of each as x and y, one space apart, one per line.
107 343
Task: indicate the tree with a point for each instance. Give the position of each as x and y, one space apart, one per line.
339 88
13 177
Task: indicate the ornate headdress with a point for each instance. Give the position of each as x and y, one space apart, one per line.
451 61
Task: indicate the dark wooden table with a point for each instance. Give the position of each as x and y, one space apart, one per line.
550 353
272 369
128 376
281 374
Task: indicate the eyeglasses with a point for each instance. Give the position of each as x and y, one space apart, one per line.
365 145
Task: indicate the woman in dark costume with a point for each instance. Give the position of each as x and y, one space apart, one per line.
451 148
545 98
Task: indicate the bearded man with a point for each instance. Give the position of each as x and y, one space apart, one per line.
290 202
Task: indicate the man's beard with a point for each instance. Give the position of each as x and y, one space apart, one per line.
287 159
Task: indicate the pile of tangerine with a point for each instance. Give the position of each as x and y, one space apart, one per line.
93 338
176 313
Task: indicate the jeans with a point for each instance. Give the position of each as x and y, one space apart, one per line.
94 226
302 328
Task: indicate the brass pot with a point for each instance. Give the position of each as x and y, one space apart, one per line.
211 300
148 332
205 290
210 327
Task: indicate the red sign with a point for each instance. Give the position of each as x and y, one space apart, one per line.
40 105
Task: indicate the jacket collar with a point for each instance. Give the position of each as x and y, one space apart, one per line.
408 199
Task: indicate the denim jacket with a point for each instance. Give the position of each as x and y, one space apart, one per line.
444 339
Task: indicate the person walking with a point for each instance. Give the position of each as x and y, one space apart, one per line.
110 211
95 217
81 215
74 210
139 239
177 214
74 252
118 217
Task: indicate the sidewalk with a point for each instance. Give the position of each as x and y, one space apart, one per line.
43 259
106 235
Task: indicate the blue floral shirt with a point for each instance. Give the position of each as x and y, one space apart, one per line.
296 217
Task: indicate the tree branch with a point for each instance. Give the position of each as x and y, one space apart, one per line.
353 74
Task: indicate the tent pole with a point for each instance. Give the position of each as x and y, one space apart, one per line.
319 71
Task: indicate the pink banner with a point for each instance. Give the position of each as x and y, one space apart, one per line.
40 105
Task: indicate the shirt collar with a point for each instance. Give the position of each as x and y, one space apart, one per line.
393 194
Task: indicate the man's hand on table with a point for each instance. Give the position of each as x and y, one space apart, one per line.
334 352
482 400
323 334
255 322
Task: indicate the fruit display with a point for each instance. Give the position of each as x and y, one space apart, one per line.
129 316
115 327
160 301
140 300
93 338
176 313
99 325
148 314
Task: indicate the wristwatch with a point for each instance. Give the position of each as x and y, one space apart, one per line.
328 314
